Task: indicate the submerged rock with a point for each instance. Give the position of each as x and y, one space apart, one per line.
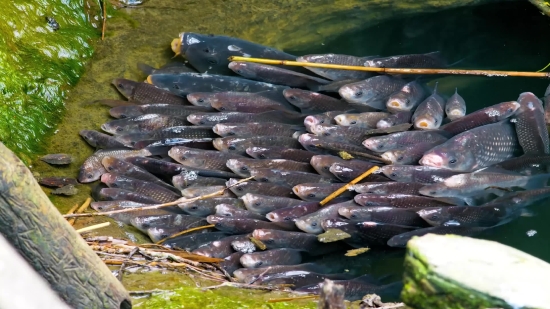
461 272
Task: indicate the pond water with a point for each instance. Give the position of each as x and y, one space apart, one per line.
502 36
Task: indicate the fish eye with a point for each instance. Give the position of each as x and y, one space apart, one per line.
239 189
231 147
239 71
326 168
287 219
176 86
201 122
313 223
380 146
353 122
218 224
119 129
261 156
257 204
264 179
452 161
194 208
164 235
510 110
200 100
230 133
182 158
114 185
400 158
322 121
432 192
359 93
206 50
100 208
226 215
110 168
292 97
434 217
269 241
122 116
222 108
244 168
407 102
353 216
369 204
326 134
259 263
120 85
393 175
90 176
145 225
212 61
311 195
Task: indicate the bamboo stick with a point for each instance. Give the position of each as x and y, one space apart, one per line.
93 227
351 183
489 73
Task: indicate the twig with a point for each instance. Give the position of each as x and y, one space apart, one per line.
93 227
121 270
158 206
489 73
345 187
246 286
184 232
278 300
104 21
79 211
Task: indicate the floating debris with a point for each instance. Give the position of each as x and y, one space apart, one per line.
57 159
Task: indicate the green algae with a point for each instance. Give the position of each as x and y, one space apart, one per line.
38 66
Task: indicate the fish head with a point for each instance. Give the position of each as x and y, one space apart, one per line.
195 209
223 129
320 130
427 121
226 144
251 201
395 156
238 166
125 86
346 211
309 141
280 215
87 173
121 112
379 143
323 163
239 189
399 102
110 180
205 57
264 235
346 119
156 233
310 224
258 152
197 119
529 100
199 98
242 68
366 199
342 172
112 164
355 93
225 210
250 260
397 173
297 97
87 135
455 112
435 216
114 127
452 160
219 105
305 192
434 190
187 156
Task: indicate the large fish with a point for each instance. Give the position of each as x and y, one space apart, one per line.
144 93
402 139
308 101
163 109
487 115
245 102
455 107
407 98
531 126
373 91
429 114
335 74
431 60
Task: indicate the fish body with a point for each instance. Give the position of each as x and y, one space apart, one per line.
271 257
212 119
318 191
381 214
363 120
197 191
398 200
227 210
311 223
455 107
378 234
527 164
350 134
254 129
479 147
288 178
244 225
244 166
335 74
238 145
308 101
277 239
245 102
219 248
142 123
231 263
273 152
258 188
521 198
206 207
372 92
100 140
183 132
481 216
484 116
326 118
139 186
192 242
165 168
159 108
403 139
322 164
126 217
264 204
318 145
198 158
394 119
414 173
192 179
429 114
249 274
56 182
293 212
113 194
386 188
144 93
530 125
407 98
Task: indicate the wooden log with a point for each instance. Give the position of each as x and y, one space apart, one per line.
30 222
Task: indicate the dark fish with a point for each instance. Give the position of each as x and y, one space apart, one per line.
271 257
318 145
139 186
378 234
142 123
162 109
413 173
322 164
218 248
121 167
192 179
232 263
212 119
275 75
263 204
244 225
280 153
239 145
250 274
126 217
57 182
354 289
197 191
206 207
363 120
334 74
210 53
403 139
326 118
311 223
429 114
352 134
398 200
348 170
404 217
243 166
484 116
100 140
245 102
428 60
57 159
287 178
184 132
113 194
277 239
476 148
198 158
92 168
527 164
145 93
165 168
308 101
300 278
203 143
530 125
402 239
192 242
407 98
455 107
409 154
293 212
373 92
255 129
336 85
481 216
65 190
395 119
547 105
258 188
318 191
143 223
386 188
226 210
186 83
521 198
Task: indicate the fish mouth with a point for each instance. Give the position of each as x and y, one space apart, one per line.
389 156
310 121
248 261
272 217
340 119
344 212
431 159
424 123
218 144
176 46
394 104
383 124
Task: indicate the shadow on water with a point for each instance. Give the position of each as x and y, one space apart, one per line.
503 36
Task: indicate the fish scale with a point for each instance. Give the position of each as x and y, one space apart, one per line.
530 125
397 200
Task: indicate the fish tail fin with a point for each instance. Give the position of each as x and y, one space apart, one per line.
145 68
158 151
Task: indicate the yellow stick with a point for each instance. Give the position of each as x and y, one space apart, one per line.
80 210
351 183
184 232
93 227
278 300
489 73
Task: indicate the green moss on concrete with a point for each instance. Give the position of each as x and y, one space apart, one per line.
38 65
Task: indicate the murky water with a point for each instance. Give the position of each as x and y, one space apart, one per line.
504 36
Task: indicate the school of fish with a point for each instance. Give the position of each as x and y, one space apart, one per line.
195 127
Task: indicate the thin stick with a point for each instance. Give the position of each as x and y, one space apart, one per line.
158 206
79 211
93 227
71 211
278 300
121 270
489 73
104 21
184 232
351 183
